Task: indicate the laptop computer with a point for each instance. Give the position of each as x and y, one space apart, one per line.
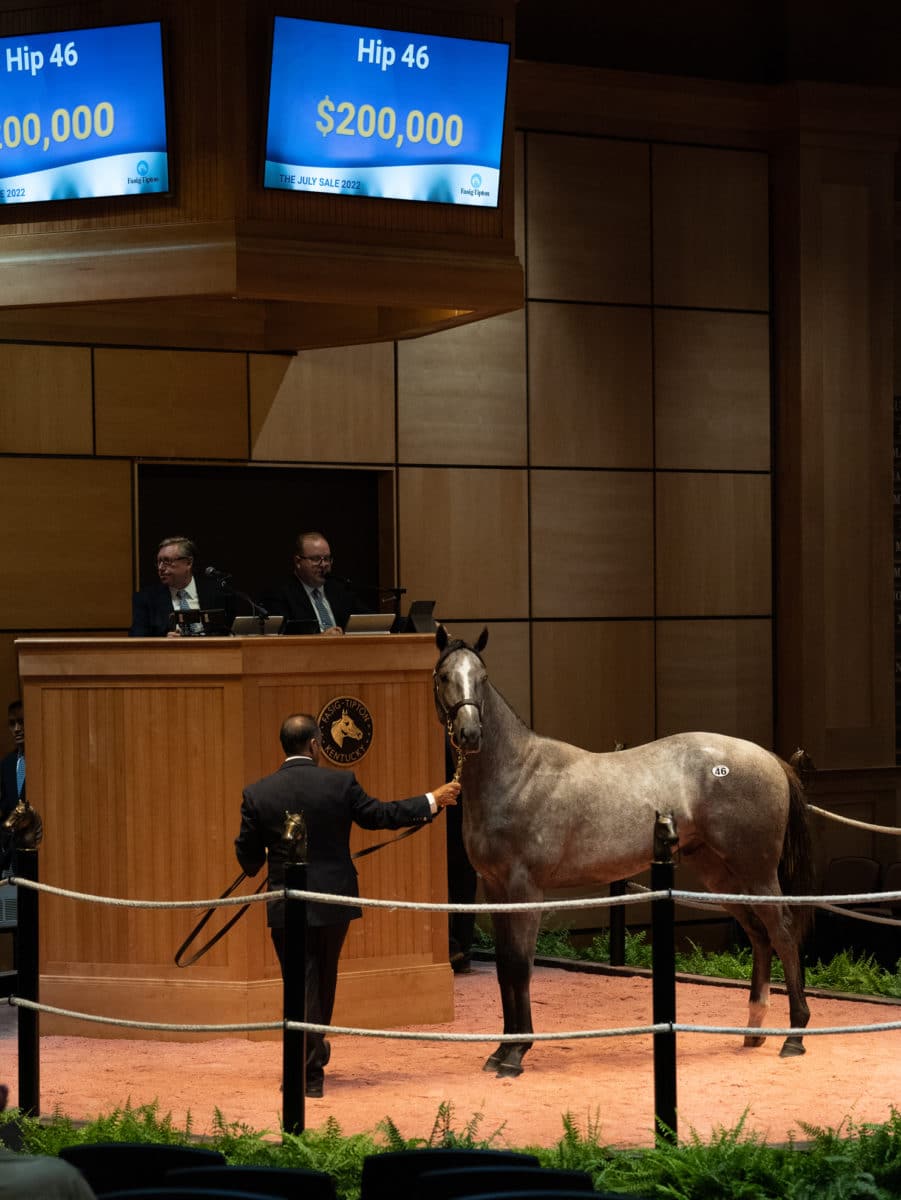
369 623
250 626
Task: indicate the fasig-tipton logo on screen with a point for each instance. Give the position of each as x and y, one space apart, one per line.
355 111
82 114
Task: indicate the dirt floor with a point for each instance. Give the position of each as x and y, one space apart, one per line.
604 1081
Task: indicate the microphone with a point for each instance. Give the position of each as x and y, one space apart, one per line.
219 576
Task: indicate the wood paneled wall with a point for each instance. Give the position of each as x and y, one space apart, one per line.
590 476
594 475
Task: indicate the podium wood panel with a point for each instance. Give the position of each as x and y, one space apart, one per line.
138 752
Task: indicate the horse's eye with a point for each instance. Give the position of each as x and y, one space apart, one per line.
442 675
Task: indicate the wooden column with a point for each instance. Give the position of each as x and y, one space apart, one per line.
833 241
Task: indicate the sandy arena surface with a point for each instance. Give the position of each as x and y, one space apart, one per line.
608 1081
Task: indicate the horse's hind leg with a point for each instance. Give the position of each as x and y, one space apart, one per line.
771 928
514 936
785 928
761 969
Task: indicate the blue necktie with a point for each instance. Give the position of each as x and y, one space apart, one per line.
20 773
193 628
325 620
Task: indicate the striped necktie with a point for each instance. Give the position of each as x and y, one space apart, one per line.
20 774
193 628
325 620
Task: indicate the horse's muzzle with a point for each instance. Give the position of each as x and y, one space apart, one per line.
468 730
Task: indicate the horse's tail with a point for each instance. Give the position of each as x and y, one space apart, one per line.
796 864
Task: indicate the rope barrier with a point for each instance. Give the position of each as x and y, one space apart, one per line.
702 899
870 918
334 898
663 1030
692 899
435 1036
168 1027
824 812
230 901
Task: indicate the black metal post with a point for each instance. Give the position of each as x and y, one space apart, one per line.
664 981
28 983
618 925
294 1042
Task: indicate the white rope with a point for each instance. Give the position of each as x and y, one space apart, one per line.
19 1002
333 898
230 901
434 1036
823 812
530 906
693 899
764 1031
861 916
582 1034
702 899
640 889
409 1035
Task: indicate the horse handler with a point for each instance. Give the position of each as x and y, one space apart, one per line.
330 801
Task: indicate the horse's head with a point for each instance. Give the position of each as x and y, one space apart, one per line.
459 680
22 828
344 727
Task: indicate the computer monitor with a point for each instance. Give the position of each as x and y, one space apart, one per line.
419 618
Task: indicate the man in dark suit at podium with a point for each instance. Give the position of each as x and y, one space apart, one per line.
12 766
330 802
178 589
312 596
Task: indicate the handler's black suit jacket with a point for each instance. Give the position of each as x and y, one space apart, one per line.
151 607
290 600
9 793
330 802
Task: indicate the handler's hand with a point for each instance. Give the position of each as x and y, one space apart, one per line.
446 794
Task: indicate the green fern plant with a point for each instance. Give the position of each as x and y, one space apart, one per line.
852 1162
856 974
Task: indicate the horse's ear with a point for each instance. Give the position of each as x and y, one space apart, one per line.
441 639
482 642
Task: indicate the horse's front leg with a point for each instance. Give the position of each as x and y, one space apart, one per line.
515 935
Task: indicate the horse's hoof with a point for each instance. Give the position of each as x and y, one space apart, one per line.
791 1048
754 1040
493 1063
508 1071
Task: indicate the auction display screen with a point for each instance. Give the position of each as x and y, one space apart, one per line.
355 111
82 114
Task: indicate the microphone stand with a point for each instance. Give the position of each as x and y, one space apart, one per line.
396 592
257 611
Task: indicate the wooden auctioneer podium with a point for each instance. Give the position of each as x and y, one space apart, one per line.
138 750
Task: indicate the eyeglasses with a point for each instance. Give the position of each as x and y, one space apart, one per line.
168 562
318 560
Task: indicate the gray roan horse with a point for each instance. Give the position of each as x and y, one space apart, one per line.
540 814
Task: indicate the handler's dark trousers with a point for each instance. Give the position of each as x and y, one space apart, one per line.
324 944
